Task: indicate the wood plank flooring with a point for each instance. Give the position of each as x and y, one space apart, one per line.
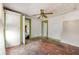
43 47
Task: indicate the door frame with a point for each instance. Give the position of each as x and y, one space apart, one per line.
30 27
21 28
42 28
4 30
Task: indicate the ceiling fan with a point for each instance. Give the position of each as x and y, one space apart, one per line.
42 14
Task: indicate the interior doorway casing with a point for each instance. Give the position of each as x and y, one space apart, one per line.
43 28
29 26
21 29
5 27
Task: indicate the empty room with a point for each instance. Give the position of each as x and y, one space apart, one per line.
39 28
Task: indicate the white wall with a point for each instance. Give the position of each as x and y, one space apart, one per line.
36 27
12 29
55 27
2 44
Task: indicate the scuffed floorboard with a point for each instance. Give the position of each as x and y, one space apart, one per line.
43 47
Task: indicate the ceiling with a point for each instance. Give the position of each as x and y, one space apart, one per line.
34 8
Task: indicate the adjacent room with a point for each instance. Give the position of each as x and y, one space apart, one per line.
39 28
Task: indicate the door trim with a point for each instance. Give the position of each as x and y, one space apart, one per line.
21 29
30 28
42 28
4 30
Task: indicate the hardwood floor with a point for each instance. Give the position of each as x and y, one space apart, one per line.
43 47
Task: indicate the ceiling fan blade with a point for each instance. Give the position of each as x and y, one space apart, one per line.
48 13
45 16
35 15
39 17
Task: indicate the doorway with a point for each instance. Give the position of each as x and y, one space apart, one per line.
44 30
27 29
